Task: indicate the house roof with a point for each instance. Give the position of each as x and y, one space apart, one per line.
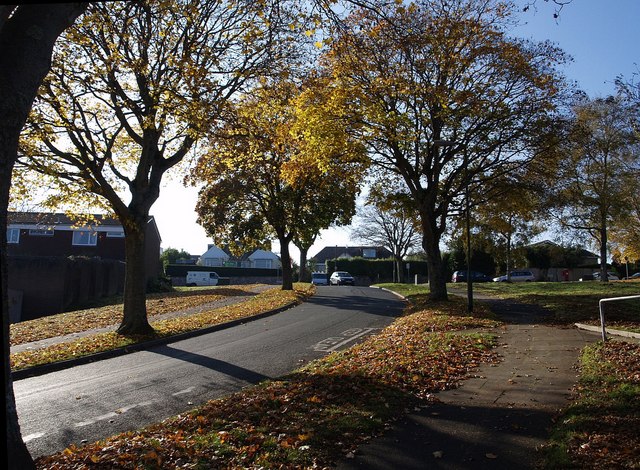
215 252
262 254
333 252
584 253
59 219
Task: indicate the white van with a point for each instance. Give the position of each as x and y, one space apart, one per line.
202 278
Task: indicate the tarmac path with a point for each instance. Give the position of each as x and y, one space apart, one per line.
498 419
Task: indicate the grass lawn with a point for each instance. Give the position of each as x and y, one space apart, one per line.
573 302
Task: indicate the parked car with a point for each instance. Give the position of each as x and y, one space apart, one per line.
340 278
476 276
319 279
516 276
634 276
610 276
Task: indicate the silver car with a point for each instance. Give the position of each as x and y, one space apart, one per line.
340 278
516 276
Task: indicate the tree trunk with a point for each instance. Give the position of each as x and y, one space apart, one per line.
399 269
17 454
134 321
287 270
509 257
435 265
604 272
27 37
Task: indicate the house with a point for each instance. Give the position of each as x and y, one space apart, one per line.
261 259
582 257
55 234
214 256
337 252
56 262
564 263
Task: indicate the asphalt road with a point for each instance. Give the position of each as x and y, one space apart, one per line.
93 401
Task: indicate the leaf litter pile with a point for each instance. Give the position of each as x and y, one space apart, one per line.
316 415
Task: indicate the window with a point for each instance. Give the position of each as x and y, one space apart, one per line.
115 234
368 252
41 232
85 238
13 235
262 263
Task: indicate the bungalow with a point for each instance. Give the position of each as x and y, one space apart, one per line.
261 259
214 256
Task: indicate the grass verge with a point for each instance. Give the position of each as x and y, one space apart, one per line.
573 302
601 428
316 415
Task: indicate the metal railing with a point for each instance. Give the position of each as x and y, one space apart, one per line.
601 306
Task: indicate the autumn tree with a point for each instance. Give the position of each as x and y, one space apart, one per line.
172 255
388 220
133 87
446 99
324 142
625 229
601 151
275 171
510 215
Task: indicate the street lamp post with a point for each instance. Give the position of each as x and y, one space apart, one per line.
468 233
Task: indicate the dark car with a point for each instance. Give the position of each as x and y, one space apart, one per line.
476 276
319 279
340 278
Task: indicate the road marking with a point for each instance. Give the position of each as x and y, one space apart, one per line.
336 342
33 436
113 414
184 392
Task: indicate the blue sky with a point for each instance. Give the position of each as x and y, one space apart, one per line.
602 36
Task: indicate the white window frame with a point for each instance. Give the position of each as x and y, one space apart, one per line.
13 235
92 238
41 232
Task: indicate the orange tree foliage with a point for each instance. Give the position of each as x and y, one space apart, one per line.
283 166
447 100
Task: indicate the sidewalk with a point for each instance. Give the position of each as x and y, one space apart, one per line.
498 419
